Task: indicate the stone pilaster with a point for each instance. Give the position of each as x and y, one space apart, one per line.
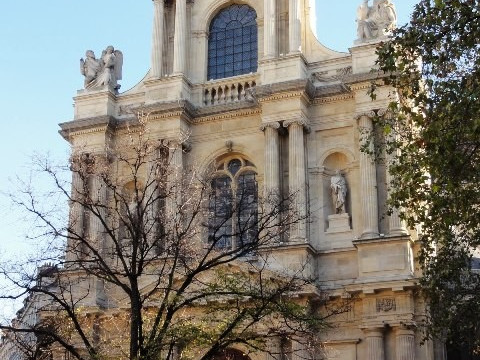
297 176
274 349
270 28
152 194
96 237
368 177
294 31
180 38
397 226
375 343
299 351
157 38
405 343
77 216
98 194
174 179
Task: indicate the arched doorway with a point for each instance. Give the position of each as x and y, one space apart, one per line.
231 354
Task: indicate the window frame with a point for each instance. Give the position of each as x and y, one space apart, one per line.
223 52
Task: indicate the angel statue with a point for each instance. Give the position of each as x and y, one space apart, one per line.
338 186
375 21
105 71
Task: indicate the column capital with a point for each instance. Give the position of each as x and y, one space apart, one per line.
385 113
369 114
405 328
274 125
172 144
300 121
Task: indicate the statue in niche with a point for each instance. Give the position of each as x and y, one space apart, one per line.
375 21
105 71
338 187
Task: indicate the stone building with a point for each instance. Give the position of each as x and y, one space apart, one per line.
248 82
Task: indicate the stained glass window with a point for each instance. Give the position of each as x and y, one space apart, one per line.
233 42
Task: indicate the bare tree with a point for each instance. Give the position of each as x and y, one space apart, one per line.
156 262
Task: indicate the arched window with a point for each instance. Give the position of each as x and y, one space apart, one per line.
233 219
233 42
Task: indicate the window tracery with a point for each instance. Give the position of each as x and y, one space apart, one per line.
233 207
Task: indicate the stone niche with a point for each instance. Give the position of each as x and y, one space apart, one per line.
336 223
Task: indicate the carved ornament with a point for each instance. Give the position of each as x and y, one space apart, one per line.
386 305
274 125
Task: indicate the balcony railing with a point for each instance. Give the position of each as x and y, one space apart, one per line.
230 90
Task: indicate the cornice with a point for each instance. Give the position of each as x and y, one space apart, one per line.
276 59
87 126
333 98
364 77
161 110
382 240
222 115
212 111
284 90
331 90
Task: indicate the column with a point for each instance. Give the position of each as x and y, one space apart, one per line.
294 27
405 340
98 193
375 344
272 158
397 226
368 178
77 217
274 349
299 351
157 38
174 181
152 200
180 40
272 177
270 28
297 177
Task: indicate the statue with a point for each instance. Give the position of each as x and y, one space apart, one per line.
338 187
375 21
105 71
89 67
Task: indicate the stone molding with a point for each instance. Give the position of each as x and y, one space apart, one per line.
294 88
333 98
87 126
228 115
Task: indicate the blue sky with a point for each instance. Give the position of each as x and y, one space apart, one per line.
41 43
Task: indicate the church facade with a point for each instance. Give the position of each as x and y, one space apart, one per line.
247 83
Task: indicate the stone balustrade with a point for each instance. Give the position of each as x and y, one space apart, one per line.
230 90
